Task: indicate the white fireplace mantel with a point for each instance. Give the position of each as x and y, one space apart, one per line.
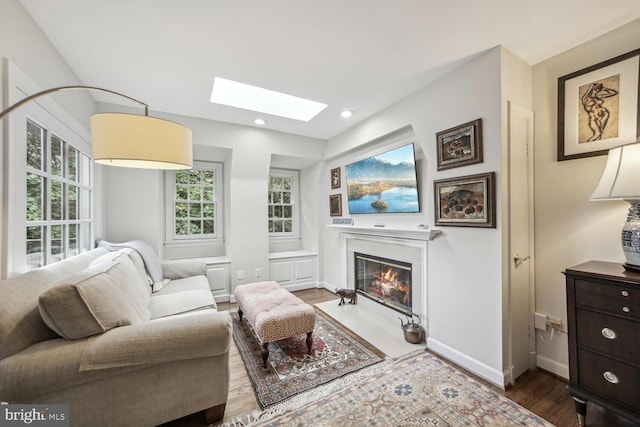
415 233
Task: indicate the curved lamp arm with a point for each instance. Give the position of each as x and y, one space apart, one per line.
131 140
61 88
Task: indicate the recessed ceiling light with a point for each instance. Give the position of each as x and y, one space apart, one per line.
260 122
241 95
345 114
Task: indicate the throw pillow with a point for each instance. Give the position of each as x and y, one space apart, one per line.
93 301
128 272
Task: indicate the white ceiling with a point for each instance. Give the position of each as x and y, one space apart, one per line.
358 54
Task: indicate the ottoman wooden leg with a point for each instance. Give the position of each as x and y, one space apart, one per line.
240 313
309 341
265 354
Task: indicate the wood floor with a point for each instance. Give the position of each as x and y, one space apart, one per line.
539 391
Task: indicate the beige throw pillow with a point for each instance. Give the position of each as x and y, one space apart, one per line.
94 300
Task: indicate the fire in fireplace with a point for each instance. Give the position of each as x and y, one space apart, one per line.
383 280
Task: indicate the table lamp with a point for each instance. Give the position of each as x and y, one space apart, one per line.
621 181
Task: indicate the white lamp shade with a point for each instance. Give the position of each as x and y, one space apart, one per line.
621 176
131 140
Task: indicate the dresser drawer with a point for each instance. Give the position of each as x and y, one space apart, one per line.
623 300
608 334
609 379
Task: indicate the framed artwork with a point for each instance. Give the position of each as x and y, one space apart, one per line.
460 145
467 201
335 205
335 178
598 107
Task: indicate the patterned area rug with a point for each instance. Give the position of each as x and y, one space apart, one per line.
290 370
419 390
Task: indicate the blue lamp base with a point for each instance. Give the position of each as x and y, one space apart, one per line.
631 237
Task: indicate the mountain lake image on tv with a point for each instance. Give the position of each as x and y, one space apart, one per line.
384 183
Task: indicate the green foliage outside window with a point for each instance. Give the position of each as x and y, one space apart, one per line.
53 208
194 202
280 204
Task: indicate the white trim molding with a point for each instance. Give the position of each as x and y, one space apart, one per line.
477 367
417 233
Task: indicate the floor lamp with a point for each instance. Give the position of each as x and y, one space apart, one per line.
131 140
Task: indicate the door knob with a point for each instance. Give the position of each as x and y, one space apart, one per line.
517 259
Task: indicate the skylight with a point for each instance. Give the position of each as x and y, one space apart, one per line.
241 95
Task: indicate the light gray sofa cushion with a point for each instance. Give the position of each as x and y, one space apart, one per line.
182 296
104 296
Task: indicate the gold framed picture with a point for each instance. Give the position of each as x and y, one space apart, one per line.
467 201
335 205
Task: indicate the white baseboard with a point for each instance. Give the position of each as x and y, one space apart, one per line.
327 286
553 366
300 286
479 368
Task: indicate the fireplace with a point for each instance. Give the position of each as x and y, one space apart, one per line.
384 280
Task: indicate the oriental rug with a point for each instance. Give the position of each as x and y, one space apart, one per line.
417 390
290 369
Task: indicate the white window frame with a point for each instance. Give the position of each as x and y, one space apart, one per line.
84 190
46 113
295 197
170 186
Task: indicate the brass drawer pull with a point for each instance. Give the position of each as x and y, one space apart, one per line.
626 309
625 293
611 377
609 334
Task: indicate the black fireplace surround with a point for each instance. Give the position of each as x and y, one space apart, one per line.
384 280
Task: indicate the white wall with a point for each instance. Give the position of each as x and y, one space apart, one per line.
464 267
22 41
570 229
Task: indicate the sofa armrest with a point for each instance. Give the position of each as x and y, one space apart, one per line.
181 268
194 335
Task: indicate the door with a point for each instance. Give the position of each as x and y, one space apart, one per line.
521 294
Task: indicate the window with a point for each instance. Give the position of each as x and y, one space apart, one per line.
194 208
58 200
283 210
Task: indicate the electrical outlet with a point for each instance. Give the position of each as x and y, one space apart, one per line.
240 274
258 272
540 321
554 322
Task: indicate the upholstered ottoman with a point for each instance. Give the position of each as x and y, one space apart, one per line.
274 314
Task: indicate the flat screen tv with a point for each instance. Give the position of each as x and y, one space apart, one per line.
384 183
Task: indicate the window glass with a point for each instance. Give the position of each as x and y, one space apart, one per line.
72 162
58 200
56 156
35 197
194 213
282 210
35 145
36 249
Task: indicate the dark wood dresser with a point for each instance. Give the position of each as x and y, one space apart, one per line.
603 320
